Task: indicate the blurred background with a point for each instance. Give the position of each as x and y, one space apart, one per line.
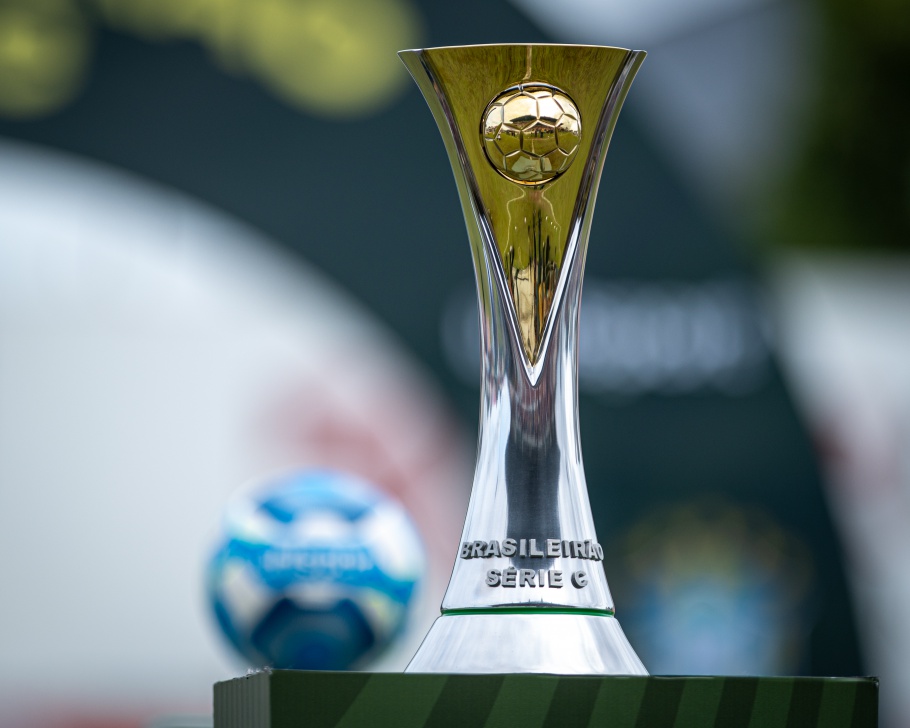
230 244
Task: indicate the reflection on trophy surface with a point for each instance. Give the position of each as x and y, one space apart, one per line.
526 128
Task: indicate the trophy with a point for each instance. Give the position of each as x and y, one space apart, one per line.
526 128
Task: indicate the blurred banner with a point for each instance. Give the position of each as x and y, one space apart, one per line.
219 256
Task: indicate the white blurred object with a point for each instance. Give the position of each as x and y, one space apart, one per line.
146 342
844 334
643 22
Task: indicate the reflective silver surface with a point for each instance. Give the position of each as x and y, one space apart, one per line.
562 644
528 591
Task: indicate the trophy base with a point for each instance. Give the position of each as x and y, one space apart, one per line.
323 699
541 642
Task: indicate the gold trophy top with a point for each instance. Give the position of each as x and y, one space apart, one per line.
525 116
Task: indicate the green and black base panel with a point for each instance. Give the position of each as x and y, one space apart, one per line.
303 699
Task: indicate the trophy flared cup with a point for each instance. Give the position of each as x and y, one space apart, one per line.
526 128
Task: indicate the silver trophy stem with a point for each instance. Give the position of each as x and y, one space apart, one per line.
528 591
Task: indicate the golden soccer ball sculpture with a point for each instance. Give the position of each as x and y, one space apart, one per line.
530 133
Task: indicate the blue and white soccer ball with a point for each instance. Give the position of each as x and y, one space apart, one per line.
316 571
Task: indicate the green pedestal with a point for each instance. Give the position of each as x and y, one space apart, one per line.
301 699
